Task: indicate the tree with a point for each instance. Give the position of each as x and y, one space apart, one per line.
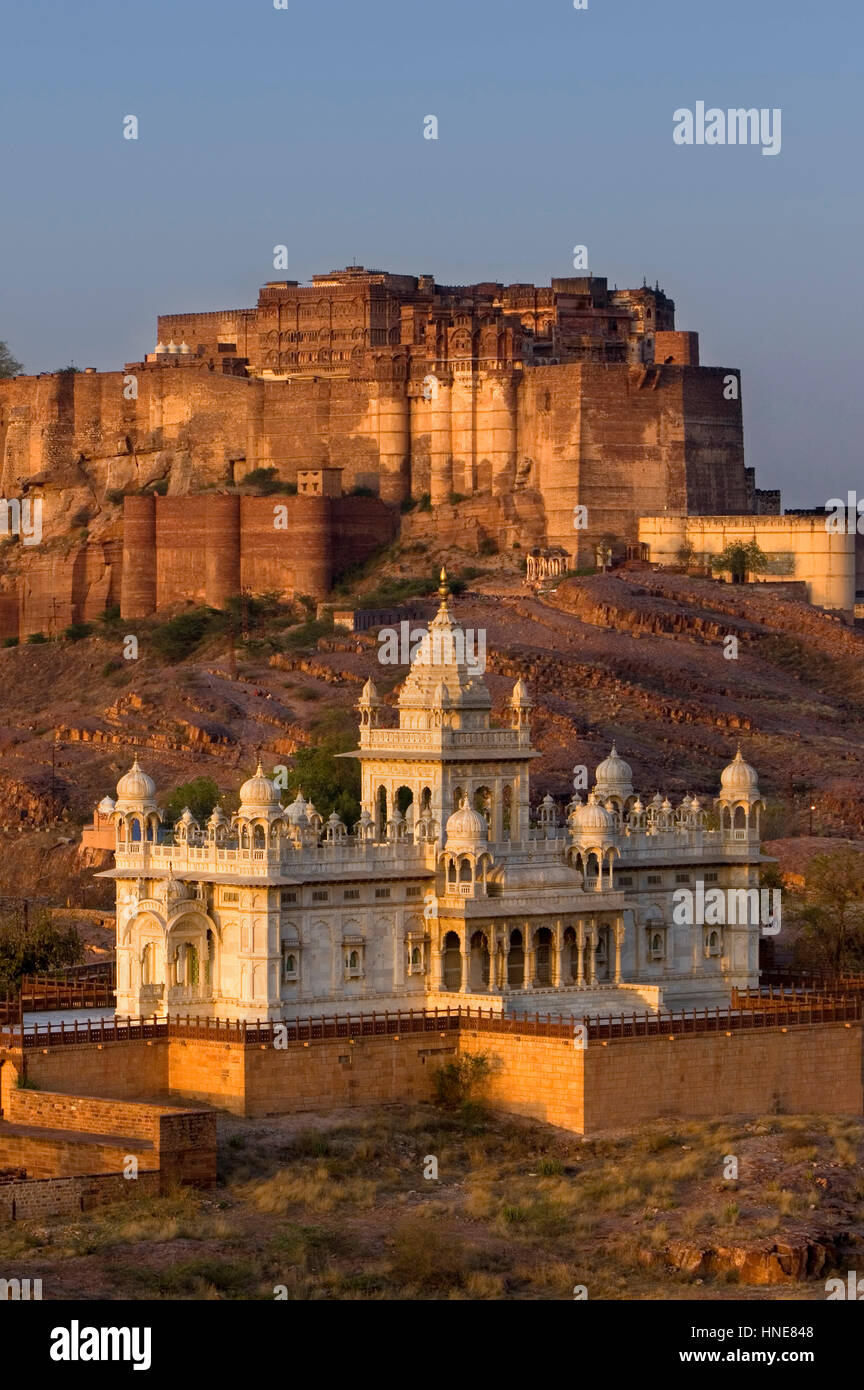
741 558
831 911
9 365
200 795
331 783
35 951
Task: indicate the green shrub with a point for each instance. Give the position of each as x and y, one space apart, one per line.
115 495
200 795
35 637
460 1080
266 481
76 631
39 949
10 642
178 638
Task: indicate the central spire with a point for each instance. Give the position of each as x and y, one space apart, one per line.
443 589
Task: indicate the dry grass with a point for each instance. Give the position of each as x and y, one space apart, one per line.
342 1211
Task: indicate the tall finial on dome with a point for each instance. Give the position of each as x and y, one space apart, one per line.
443 587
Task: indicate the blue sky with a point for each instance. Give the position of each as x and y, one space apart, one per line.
304 127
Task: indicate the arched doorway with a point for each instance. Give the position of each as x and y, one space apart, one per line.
479 976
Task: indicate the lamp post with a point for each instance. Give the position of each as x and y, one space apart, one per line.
812 809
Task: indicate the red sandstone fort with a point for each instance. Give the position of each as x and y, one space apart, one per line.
363 391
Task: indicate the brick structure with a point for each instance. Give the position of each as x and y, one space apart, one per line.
529 399
69 1144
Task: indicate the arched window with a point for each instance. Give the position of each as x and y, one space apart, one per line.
507 813
258 840
570 965
415 957
452 961
136 830
464 870
516 961
353 961
544 956
381 804
479 961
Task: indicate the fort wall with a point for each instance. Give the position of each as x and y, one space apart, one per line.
799 548
528 401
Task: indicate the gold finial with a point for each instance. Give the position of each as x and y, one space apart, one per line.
443 587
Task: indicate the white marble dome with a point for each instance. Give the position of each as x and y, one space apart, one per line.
466 827
296 813
739 776
369 694
614 777
591 818
259 790
135 785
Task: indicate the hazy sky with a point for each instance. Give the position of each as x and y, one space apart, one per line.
304 126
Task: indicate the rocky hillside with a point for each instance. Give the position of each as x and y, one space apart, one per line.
635 656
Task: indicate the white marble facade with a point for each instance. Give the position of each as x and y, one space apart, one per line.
447 892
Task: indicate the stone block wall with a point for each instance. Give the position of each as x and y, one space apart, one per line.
611 1085
180 1143
802 1069
64 1196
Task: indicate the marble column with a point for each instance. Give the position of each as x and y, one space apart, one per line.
592 956
528 957
556 971
437 970
580 953
619 937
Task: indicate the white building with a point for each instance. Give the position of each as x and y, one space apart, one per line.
447 892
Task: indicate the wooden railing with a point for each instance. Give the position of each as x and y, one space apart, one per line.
79 987
747 1015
